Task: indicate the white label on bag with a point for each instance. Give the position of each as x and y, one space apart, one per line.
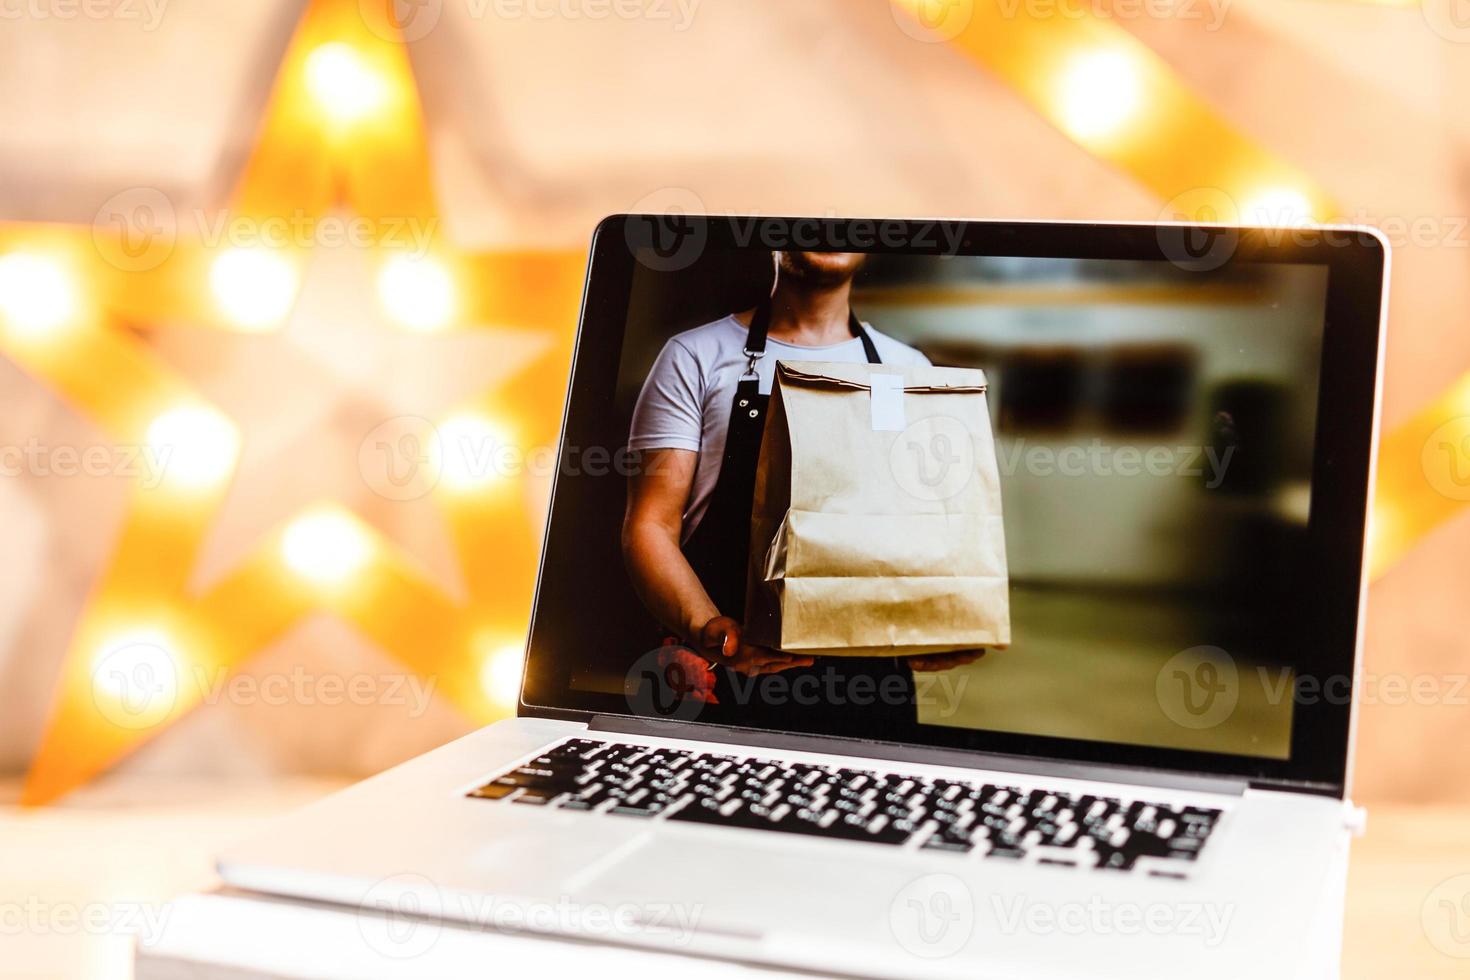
887 402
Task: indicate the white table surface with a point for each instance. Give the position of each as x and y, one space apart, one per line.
228 935
129 845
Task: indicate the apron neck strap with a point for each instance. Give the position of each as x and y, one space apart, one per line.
760 326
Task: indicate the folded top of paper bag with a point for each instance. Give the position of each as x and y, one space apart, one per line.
916 379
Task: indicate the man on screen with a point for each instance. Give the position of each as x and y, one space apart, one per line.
686 533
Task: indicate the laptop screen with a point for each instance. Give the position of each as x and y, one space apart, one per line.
914 495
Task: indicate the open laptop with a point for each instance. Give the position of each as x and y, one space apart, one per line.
1151 778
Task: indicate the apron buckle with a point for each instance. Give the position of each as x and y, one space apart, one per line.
754 355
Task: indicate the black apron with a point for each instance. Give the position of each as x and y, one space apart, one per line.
836 693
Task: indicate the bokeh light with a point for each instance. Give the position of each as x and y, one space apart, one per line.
196 446
1277 206
135 678
343 84
37 295
417 292
473 452
254 287
325 547
1099 93
501 671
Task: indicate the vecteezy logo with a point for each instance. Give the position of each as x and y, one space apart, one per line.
1198 688
941 451
407 20
1450 19
933 20
668 682
135 685
933 916
1193 246
1445 917
667 233
401 916
1445 458
933 459
135 230
402 458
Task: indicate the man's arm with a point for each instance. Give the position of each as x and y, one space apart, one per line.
661 574
652 526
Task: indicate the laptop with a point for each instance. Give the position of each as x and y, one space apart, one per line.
1146 773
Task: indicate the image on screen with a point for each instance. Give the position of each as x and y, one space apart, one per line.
1040 496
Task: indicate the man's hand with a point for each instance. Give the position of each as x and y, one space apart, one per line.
720 641
930 662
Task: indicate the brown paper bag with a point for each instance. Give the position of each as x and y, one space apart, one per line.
876 523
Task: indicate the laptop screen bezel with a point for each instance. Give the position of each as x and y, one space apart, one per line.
1340 492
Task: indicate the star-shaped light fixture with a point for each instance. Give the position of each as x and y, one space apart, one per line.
1120 101
373 371
344 128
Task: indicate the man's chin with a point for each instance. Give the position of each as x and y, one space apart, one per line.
823 270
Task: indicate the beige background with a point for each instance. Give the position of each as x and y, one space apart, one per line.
814 106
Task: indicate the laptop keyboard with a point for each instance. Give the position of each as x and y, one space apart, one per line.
996 821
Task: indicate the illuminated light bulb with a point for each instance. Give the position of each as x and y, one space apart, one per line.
343 84
254 287
37 295
326 547
501 671
135 678
472 452
1277 206
1099 92
417 292
196 447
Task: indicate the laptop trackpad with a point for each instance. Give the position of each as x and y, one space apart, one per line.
561 856
718 880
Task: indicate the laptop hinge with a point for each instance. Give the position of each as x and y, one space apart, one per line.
896 752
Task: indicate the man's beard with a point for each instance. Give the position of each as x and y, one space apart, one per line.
814 274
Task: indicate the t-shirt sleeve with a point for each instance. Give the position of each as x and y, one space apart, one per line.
669 410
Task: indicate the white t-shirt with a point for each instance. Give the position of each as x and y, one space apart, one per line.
685 401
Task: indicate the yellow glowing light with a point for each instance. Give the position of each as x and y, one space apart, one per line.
326 547
36 293
500 674
195 447
108 375
135 678
1099 93
473 452
343 84
254 287
417 291
1277 206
